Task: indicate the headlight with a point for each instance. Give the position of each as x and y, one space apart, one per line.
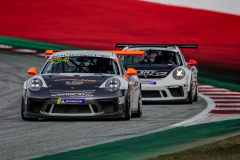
112 85
35 84
178 74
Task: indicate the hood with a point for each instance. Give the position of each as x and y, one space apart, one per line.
153 70
61 83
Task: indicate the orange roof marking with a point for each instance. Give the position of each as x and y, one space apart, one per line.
128 53
50 52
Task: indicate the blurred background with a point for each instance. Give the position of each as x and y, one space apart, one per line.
99 25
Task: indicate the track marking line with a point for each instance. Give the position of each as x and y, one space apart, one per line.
227 106
225 97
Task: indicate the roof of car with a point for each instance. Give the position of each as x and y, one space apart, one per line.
85 52
162 46
152 47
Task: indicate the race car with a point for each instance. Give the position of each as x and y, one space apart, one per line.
165 75
82 84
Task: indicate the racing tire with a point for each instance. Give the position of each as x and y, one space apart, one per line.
128 108
139 112
195 99
190 95
24 118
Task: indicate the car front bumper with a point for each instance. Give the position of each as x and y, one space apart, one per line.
92 108
165 90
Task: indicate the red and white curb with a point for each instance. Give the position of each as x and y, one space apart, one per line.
226 101
24 51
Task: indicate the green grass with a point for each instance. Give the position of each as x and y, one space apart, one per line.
30 44
228 149
219 80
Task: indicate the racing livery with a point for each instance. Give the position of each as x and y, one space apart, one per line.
164 73
82 84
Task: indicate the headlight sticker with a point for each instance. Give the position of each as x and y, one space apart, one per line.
148 82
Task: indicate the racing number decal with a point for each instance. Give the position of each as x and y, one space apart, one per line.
59 60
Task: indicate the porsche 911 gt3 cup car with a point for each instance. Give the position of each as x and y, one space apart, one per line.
164 74
82 84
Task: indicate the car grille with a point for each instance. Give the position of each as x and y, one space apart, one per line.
71 109
176 92
108 107
35 107
150 94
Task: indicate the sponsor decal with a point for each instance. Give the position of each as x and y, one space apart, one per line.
148 82
81 80
70 101
59 60
150 73
74 82
143 49
121 100
71 95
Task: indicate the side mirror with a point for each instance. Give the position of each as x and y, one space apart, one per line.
130 72
32 71
191 63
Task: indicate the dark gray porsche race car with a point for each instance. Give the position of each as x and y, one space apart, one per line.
82 84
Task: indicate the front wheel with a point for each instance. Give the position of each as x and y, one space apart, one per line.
139 112
190 95
22 113
128 110
195 99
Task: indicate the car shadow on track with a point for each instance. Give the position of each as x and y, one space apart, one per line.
165 103
80 119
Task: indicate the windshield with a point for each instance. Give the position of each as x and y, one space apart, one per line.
81 65
153 57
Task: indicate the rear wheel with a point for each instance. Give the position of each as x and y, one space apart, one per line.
22 114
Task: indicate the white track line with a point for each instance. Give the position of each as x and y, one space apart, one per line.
213 97
2 46
224 109
220 93
227 100
228 104
213 89
25 50
205 86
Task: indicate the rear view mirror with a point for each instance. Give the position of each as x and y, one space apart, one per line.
32 71
130 72
191 63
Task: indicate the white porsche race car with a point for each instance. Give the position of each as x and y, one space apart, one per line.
164 73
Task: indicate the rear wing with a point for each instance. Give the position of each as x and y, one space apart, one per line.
160 45
50 52
127 53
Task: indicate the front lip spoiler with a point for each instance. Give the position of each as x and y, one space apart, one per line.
69 116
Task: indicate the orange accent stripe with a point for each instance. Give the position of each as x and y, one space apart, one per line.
129 53
50 52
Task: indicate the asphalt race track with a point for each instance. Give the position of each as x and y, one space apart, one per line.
20 139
